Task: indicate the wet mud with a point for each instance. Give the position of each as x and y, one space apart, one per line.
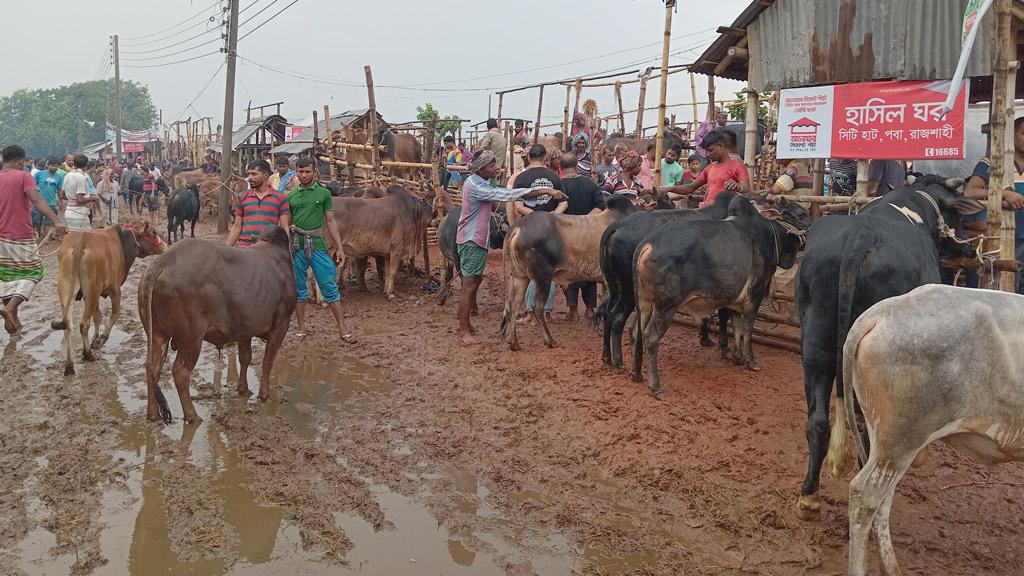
409 453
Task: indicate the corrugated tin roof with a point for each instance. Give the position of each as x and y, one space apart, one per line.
304 140
806 42
271 121
291 147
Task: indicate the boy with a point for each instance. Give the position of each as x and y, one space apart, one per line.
671 170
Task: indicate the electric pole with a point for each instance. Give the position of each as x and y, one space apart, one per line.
226 148
118 147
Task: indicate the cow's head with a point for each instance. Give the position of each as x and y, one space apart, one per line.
498 231
656 200
952 207
794 221
275 236
150 243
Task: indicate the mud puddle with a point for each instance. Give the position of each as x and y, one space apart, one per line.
240 530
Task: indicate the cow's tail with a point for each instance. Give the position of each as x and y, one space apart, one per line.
846 414
854 254
146 287
509 263
602 309
70 291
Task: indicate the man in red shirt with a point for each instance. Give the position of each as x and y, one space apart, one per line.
258 207
723 173
20 265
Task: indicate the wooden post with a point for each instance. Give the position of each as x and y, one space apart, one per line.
640 108
659 141
693 96
565 118
618 99
1001 225
711 97
374 135
750 140
316 147
862 178
429 141
330 139
540 105
510 160
579 92
501 98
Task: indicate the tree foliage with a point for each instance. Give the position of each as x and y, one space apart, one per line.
56 120
737 109
445 125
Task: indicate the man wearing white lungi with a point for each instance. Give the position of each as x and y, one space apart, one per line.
80 198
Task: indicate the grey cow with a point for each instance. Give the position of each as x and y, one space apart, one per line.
918 383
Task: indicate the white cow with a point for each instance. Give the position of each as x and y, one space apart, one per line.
936 363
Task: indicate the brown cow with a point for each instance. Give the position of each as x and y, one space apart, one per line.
389 228
186 177
202 290
94 264
544 246
399 147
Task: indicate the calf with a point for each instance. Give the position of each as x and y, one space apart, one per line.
618 244
705 265
202 290
389 228
182 206
918 383
851 262
544 246
94 264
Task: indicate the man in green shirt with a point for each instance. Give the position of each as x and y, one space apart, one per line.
312 213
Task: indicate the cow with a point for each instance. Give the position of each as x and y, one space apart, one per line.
202 290
93 264
211 187
700 266
182 178
182 206
918 383
390 228
851 262
618 244
398 147
545 247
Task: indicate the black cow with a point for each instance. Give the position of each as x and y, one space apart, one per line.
182 206
706 265
891 247
618 244
447 231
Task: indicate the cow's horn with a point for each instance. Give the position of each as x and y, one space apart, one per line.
954 183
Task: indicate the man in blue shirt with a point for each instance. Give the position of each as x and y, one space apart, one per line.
49 182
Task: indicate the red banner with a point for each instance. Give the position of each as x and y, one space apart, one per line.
133 146
875 120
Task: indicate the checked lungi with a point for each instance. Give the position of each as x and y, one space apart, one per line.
20 267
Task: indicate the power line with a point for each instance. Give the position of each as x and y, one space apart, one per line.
261 11
169 54
190 18
201 92
208 20
276 14
178 43
170 63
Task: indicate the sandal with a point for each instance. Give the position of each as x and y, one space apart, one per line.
300 334
349 338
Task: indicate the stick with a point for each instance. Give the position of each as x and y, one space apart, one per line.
375 154
618 98
540 104
565 120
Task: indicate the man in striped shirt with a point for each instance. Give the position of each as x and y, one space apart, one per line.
258 207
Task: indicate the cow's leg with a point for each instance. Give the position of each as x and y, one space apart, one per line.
244 359
540 298
184 362
382 265
653 330
723 332
624 307
514 304
747 329
155 354
273 345
610 305
704 333
391 275
884 537
819 374
115 313
90 315
446 276
193 233
870 490
359 267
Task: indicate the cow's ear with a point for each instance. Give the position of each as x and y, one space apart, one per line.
965 206
770 213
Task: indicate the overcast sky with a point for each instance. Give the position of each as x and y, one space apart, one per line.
479 45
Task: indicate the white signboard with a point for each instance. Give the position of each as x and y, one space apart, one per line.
805 122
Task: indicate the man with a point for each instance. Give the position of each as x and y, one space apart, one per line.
49 184
607 169
627 182
478 196
494 142
312 211
29 166
584 198
284 179
581 149
211 166
795 176
69 163
671 169
20 265
258 207
646 174
538 175
716 120
885 176
81 199
723 173
521 135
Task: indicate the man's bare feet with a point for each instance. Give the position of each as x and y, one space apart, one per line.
572 316
469 339
11 323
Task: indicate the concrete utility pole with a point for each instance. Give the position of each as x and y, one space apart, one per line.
227 145
118 147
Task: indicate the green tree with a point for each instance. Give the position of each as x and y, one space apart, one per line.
737 109
56 120
445 125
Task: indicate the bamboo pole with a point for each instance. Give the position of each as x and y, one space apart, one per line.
579 92
659 140
316 147
711 97
565 118
1001 225
540 105
353 146
373 121
389 163
693 96
750 140
330 137
862 178
501 99
640 108
618 99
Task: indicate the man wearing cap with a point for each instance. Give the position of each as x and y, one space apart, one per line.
478 196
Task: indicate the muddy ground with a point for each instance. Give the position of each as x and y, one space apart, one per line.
411 454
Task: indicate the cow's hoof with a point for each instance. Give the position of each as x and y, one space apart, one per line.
58 325
192 419
550 344
98 343
263 396
808 508
636 377
391 297
658 394
243 390
69 369
87 356
706 343
753 366
514 346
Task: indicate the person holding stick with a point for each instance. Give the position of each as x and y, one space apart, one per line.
478 197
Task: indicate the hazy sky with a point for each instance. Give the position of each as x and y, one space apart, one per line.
479 45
